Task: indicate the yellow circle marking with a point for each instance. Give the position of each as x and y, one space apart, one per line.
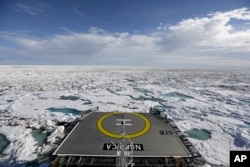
118 136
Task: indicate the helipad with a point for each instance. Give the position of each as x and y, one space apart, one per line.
99 134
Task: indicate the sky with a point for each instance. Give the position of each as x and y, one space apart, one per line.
169 33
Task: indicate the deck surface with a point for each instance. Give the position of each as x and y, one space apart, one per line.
98 134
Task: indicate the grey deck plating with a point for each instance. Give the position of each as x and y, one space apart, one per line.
93 136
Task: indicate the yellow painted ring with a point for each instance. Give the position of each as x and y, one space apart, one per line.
118 136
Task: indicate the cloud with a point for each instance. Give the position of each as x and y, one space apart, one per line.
94 45
28 9
201 41
211 33
36 8
78 12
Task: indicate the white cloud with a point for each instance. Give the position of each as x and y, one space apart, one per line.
34 8
94 45
28 9
78 12
204 41
213 33
34 11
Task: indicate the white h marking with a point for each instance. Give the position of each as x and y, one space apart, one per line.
124 122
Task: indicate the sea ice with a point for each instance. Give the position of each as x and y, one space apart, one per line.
215 100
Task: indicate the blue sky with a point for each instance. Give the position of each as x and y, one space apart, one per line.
170 33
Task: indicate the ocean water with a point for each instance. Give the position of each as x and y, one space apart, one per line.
65 110
39 136
200 134
176 95
247 125
4 142
72 98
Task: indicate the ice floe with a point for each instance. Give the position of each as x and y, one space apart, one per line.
40 97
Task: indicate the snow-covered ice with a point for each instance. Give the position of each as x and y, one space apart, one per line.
215 100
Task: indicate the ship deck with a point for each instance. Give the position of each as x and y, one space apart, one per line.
99 134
